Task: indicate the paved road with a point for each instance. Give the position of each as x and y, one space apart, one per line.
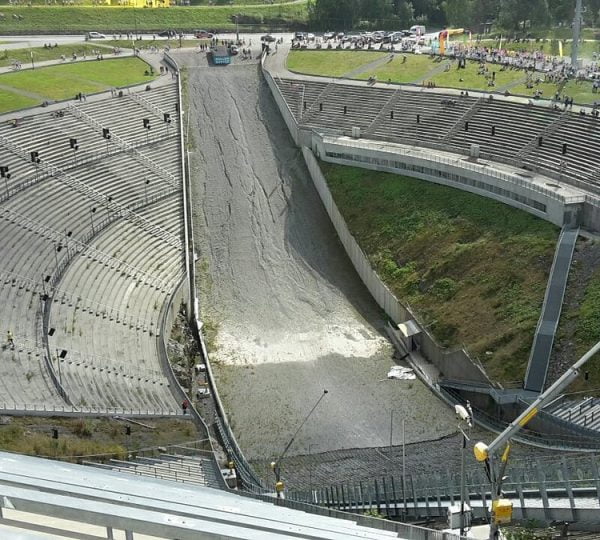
293 316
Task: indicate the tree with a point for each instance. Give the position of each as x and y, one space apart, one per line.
338 14
459 12
517 15
404 12
375 10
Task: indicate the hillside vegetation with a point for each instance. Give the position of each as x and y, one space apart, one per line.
59 19
474 270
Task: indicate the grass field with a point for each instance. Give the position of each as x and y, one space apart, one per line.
10 101
40 54
330 63
45 19
415 67
65 80
469 78
422 67
456 258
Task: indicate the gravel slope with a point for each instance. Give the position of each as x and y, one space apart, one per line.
293 316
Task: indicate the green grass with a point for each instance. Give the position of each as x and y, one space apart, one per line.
586 317
10 101
581 92
40 54
468 78
65 80
548 89
415 67
458 259
330 63
117 19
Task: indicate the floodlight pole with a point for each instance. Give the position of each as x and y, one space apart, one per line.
576 35
276 465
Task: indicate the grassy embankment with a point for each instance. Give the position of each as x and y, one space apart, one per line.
418 68
65 80
70 19
579 326
92 436
474 270
42 54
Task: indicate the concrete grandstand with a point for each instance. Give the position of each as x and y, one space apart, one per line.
92 250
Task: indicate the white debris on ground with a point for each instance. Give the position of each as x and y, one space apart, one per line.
401 373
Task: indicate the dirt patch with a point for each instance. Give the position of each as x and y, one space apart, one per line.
90 436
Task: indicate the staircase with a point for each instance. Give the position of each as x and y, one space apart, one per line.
197 469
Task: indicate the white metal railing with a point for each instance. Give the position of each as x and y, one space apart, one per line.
47 410
125 146
97 196
81 247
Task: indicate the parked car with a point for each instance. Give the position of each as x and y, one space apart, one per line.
268 38
328 35
95 35
167 34
300 36
203 34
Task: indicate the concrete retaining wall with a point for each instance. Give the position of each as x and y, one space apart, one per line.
282 105
453 364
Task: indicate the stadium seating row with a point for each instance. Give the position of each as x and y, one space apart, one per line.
552 140
90 240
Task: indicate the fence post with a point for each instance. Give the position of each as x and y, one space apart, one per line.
569 489
394 497
542 489
594 463
376 485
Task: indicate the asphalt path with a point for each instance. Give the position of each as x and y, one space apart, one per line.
293 317
26 41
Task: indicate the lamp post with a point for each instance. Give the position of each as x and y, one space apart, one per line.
465 414
92 211
6 175
276 465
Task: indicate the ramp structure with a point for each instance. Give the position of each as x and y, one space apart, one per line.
539 358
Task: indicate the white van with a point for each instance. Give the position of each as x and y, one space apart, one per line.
417 30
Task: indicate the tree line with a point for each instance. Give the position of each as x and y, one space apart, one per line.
509 15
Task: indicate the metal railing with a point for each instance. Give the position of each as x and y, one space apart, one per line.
41 409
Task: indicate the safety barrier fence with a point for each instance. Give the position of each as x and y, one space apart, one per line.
37 409
404 530
426 495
